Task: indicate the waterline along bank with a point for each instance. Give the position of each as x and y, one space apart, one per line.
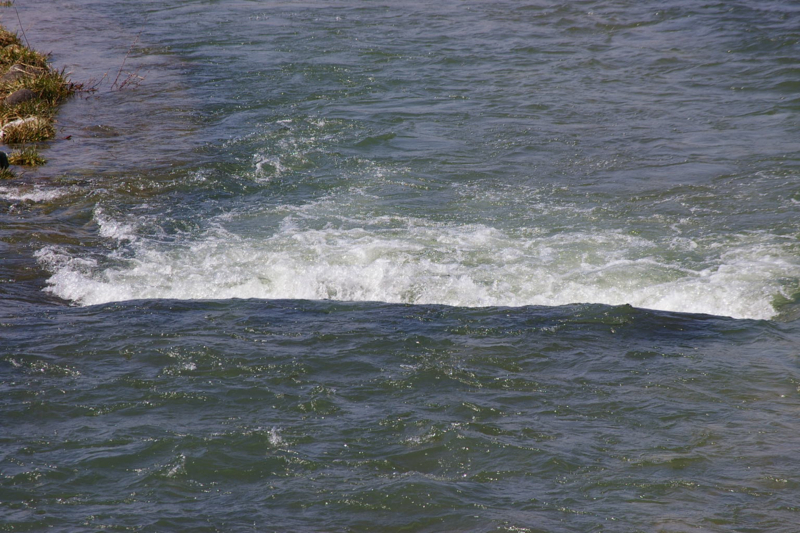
31 91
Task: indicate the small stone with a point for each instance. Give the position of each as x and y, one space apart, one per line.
17 97
11 76
19 71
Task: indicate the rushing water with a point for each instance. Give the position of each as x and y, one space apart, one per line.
351 266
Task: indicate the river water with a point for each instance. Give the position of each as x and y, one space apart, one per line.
353 266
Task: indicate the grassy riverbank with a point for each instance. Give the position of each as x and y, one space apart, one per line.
30 93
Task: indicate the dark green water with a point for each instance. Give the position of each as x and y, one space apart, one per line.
476 266
300 416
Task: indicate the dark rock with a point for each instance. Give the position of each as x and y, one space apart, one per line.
17 97
3 160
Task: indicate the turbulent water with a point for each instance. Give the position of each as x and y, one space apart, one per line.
351 266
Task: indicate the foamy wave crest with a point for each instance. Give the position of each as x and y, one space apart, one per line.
32 194
472 265
112 228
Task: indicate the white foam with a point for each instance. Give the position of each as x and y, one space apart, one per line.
267 167
274 437
414 261
32 194
114 228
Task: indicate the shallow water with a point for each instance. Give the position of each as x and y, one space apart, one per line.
465 267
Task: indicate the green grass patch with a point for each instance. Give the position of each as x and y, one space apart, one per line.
28 157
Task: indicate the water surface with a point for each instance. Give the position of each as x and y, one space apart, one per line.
477 266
